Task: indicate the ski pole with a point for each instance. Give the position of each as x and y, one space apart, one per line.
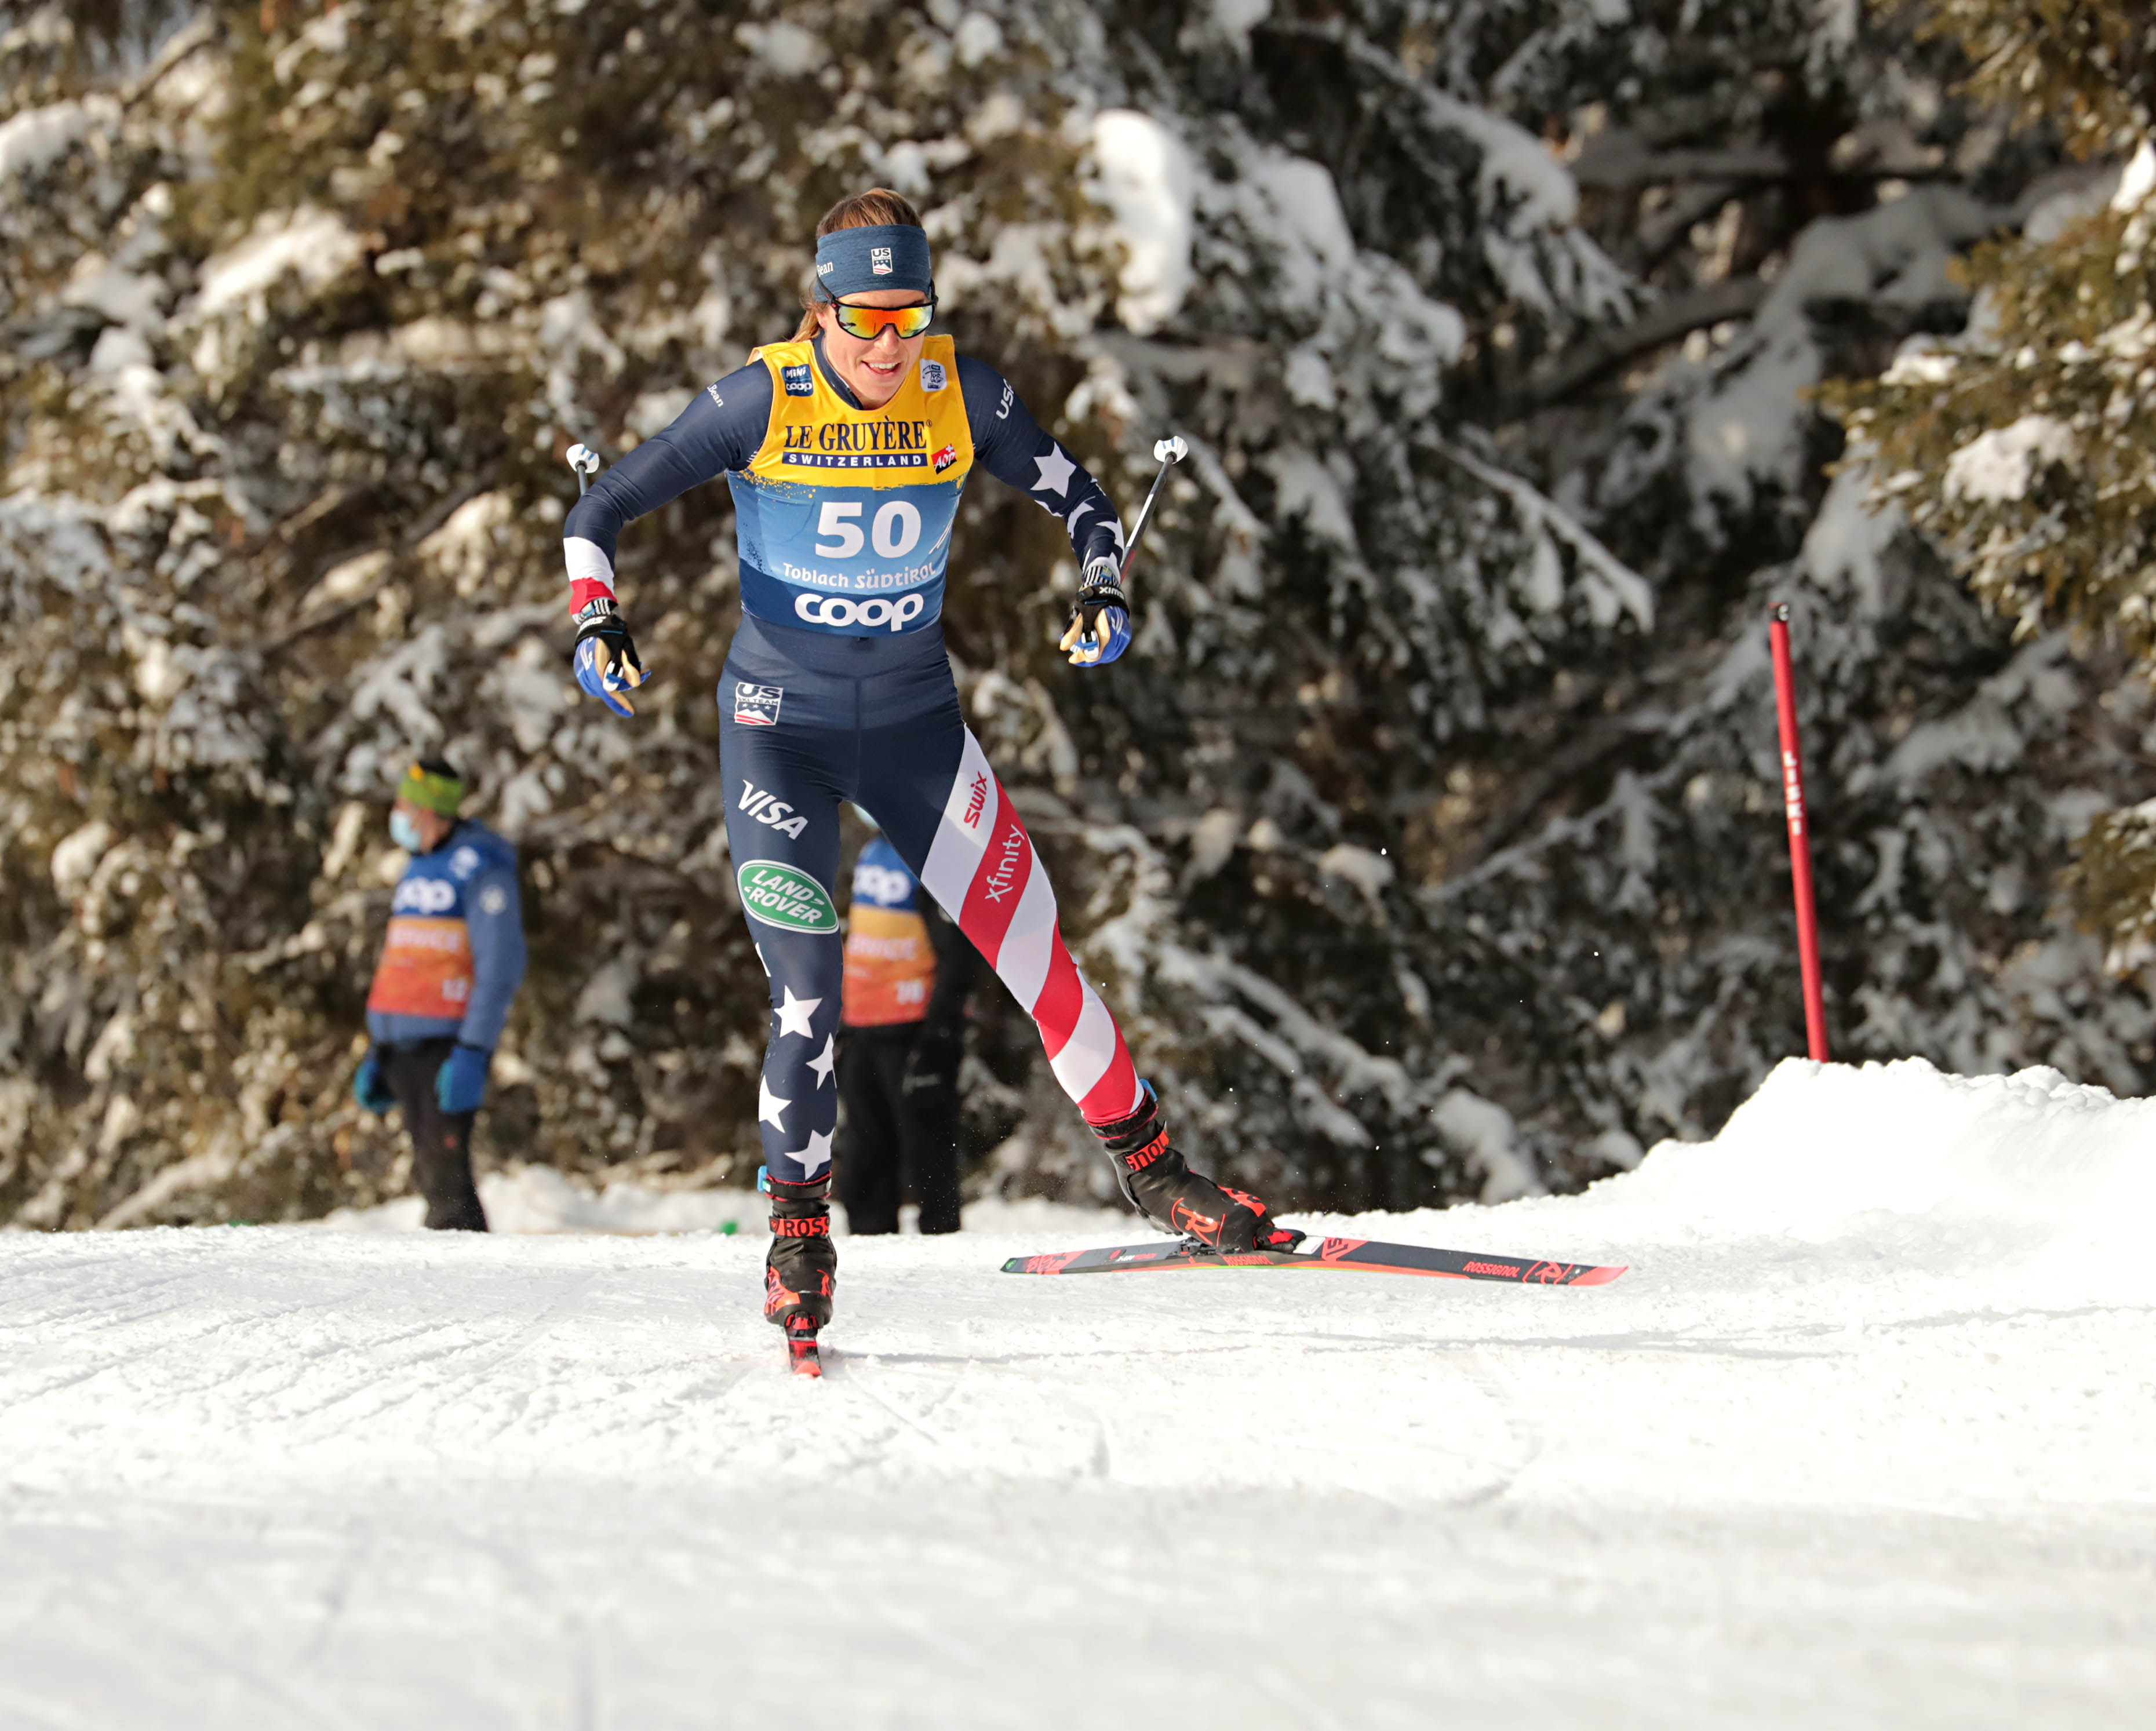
1168 452
585 461
1800 847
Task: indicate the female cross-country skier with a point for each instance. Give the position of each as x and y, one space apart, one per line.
846 450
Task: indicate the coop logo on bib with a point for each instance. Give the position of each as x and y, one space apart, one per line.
779 896
798 382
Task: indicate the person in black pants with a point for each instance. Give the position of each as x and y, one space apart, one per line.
903 1032
441 1140
451 961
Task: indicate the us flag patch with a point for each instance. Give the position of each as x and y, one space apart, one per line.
757 706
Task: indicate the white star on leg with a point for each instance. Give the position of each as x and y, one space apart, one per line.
817 1155
1055 472
770 1109
825 1061
793 1014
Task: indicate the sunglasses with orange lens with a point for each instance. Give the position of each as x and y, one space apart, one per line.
869 322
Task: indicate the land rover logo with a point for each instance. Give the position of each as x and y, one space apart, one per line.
779 896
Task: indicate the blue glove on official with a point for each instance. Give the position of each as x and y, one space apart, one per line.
1100 618
460 1084
605 658
368 1088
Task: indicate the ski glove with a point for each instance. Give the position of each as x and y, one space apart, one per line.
368 1088
1100 618
605 657
460 1084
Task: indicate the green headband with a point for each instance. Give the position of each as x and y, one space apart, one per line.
441 794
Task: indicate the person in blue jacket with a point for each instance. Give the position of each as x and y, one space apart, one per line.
451 963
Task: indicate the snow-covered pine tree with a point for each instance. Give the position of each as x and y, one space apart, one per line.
2026 445
1429 843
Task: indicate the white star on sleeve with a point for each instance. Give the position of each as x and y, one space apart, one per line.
770 1109
817 1155
793 1014
1055 472
825 1061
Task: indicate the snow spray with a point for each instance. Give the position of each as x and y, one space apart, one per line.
1800 846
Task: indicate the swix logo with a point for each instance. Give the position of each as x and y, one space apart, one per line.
423 894
777 813
977 799
1000 882
945 458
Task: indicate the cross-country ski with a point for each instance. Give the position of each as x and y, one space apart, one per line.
1361 1256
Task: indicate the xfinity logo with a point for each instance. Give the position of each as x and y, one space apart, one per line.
1000 882
423 894
777 813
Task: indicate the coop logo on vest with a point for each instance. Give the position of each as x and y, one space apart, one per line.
423 894
798 382
779 896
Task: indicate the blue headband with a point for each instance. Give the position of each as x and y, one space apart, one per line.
892 255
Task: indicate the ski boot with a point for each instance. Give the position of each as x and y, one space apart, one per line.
802 1268
1156 1181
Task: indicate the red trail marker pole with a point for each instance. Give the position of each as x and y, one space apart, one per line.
1800 847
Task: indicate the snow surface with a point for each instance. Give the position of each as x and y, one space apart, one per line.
1862 1439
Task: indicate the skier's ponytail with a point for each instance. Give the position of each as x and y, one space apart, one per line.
878 208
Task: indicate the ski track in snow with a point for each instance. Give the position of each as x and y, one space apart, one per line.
1862 1439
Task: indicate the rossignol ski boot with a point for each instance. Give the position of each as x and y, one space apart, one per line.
802 1268
1156 1181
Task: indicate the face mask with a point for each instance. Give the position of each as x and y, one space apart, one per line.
406 833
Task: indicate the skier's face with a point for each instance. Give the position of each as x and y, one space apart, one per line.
873 369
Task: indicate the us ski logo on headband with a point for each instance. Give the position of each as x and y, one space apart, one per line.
879 260
757 706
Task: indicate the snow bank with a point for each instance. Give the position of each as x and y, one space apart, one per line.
1861 1439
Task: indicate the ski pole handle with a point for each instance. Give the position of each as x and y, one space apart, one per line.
585 461
1168 452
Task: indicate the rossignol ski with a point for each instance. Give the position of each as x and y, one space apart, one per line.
1361 1255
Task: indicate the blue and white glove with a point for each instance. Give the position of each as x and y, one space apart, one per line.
1100 618
605 658
368 1088
460 1084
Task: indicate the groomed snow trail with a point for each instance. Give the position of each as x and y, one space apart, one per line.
1868 1436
